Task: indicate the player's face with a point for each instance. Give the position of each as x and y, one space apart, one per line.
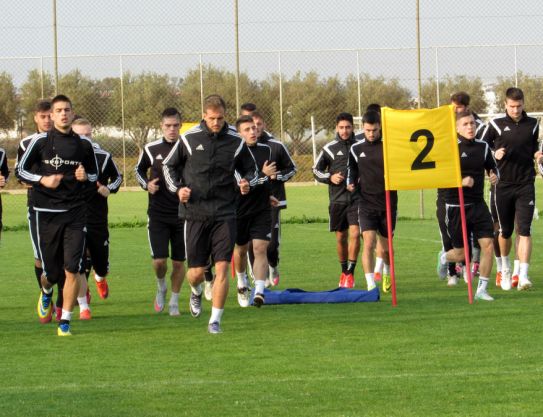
43 120
83 130
260 126
344 129
248 132
170 128
372 131
62 115
214 119
514 108
466 127
458 107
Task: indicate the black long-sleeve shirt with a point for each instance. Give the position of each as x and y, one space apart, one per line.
21 149
56 152
211 165
258 199
4 170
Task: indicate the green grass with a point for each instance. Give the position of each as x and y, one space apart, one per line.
432 355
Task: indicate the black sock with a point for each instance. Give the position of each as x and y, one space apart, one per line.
351 265
63 322
344 266
38 272
452 269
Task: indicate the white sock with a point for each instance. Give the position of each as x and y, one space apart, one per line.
66 315
216 315
505 262
498 264
523 270
443 258
242 279
369 280
378 265
47 291
259 286
483 282
516 267
196 290
386 269
82 301
161 283
98 278
174 298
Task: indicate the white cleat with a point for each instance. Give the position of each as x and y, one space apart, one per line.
524 284
173 309
243 297
506 280
452 280
483 295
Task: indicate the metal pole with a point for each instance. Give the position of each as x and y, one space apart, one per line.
41 78
280 98
237 53
419 76
437 79
55 48
359 89
201 85
516 67
122 119
313 141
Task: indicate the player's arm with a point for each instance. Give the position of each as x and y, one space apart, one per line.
535 144
491 167
245 166
25 172
142 168
352 170
320 170
4 169
113 175
89 164
288 167
172 167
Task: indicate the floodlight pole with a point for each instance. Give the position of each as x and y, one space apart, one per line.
55 44
421 194
237 53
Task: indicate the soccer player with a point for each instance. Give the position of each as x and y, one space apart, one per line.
97 240
59 164
246 109
285 170
475 159
460 102
165 228
4 174
207 169
331 168
365 178
514 139
254 217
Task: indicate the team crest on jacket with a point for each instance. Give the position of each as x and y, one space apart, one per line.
200 147
56 162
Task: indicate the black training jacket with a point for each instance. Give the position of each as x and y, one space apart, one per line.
258 199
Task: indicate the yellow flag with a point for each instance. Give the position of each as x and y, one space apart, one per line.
420 149
187 125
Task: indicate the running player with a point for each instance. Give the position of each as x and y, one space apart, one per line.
4 174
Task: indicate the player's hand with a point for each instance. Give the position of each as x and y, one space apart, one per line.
493 178
51 181
80 173
274 202
467 182
152 186
350 187
499 154
269 169
244 186
538 156
184 194
337 178
103 190
2 181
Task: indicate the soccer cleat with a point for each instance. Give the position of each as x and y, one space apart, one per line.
214 328
195 304
258 300
506 280
45 309
514 281
267 283
387 283
372 286
499 279
102 288
475 269
208 290
483 295
524 284
85 314
173 309
274 276
160 300
441 267
58 313
349 280
452 280
342 280
377 276
63 329
243 297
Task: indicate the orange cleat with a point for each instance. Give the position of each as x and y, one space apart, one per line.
377 277
85 314
349 281
514 281
102 288
342 280
498 279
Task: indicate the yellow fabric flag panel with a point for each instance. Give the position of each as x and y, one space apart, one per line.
420 149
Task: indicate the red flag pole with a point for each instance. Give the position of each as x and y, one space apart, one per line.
391 248
466 242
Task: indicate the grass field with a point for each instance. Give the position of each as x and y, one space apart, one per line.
432 355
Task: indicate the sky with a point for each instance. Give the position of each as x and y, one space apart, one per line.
186 28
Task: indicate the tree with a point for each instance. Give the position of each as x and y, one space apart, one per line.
8 102
450 85
531 85
31 93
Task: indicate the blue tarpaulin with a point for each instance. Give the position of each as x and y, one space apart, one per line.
337 295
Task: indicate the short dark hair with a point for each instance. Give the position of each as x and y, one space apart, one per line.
514 93
170 112
214 101
42 105
371 117
374 107
243 119
250 107
345 116
464 113
257 114
60 98
461 98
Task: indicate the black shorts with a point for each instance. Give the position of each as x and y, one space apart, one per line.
478 222
61 242
32 228
256 226
515 202
97 245
441 213
370 219
164 232
205 239
342 216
